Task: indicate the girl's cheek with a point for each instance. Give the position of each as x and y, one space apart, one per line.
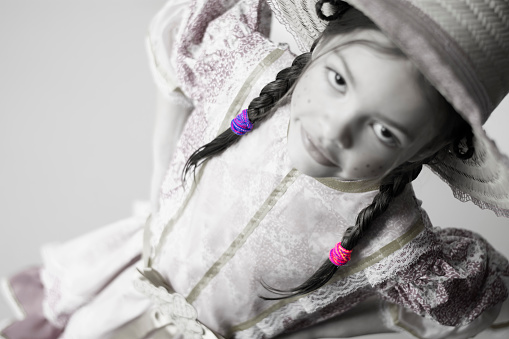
377 170
304 97
370 169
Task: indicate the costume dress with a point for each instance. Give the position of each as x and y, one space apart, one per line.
248 216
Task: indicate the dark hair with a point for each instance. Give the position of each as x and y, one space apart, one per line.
346 19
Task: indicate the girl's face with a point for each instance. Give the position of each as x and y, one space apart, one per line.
357 113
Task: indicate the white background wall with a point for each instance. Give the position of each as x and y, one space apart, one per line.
76 115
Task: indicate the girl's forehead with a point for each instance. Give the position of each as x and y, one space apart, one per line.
369 67
372 37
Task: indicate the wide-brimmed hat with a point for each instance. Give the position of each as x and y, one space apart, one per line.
462 48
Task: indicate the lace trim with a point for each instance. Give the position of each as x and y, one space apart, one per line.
293 312
464 197
287 14
399 260
367 273
489 190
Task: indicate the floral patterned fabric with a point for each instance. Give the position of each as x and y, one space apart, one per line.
248 216
445 283
219 46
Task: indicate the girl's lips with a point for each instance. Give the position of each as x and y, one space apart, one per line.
315 152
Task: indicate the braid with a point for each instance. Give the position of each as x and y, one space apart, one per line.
260 107
344 19
258 110
391 187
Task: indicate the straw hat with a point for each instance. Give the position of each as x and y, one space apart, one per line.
462 47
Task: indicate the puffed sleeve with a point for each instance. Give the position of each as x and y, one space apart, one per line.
219 44
199 46
454 290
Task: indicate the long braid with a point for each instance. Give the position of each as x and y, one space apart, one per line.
258 110
390 188
459 135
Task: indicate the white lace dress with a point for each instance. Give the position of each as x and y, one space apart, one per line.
248 216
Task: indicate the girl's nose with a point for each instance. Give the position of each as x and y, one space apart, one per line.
339 129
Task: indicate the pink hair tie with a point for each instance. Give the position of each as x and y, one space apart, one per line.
241 124
339 256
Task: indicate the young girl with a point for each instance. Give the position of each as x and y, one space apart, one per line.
287 209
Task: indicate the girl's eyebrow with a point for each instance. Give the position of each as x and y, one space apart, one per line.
337 52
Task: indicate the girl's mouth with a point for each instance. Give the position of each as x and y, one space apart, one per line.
318 154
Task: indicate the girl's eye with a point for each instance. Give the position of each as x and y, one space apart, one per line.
336 80
384 134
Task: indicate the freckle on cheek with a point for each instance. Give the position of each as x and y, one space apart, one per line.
380 167
309 101
355 168
367 165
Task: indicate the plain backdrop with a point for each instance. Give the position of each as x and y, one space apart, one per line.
76 117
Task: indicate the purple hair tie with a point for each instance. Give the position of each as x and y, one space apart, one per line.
339 255
241 124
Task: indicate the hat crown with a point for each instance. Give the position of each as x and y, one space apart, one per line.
481 29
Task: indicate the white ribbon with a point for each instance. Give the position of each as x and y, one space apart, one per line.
173 309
